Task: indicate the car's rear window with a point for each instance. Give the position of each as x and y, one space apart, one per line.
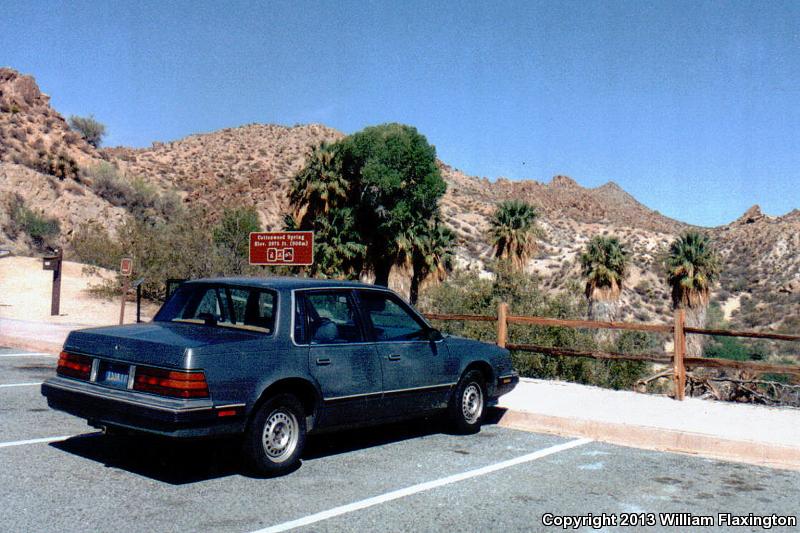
221 306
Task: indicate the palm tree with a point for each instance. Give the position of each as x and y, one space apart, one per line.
692 267
319 186
513 230
429 248
604 265
338 251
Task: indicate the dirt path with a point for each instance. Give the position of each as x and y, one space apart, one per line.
25 295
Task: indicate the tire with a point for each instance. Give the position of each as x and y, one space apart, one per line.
275 437
468 403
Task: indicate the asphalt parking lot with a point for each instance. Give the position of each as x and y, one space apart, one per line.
404 477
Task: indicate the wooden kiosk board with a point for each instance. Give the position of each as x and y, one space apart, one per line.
282 248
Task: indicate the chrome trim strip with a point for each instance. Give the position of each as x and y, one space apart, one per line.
441 385
230 406
138 404
352 396
508 376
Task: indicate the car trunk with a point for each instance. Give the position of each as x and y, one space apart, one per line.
167 344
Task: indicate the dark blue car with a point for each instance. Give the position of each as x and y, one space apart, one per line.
273 359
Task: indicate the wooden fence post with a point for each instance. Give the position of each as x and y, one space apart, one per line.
502 324
680 353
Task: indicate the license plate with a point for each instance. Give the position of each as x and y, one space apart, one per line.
114 375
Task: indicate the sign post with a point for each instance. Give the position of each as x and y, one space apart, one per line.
53 262
282 248
125 269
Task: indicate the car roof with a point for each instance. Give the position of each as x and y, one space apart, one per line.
288 283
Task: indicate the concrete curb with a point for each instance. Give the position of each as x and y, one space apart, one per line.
651 438
30 344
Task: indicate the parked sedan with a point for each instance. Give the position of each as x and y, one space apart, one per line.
273 360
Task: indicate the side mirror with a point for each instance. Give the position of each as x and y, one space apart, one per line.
434 335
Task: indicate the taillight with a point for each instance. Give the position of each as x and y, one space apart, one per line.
175 383
74 365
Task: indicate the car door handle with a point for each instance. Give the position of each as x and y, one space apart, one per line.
394 357
323 361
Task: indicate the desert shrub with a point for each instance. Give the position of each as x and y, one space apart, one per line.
94 247
624 374
61 165
468 293
232 238
736 349
137 196
178 248
40 228
90 129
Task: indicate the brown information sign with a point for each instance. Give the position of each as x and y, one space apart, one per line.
126 266
282 248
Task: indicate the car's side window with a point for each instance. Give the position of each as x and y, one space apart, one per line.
331 318
390 320
253 308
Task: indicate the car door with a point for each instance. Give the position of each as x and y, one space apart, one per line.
414 376
339 356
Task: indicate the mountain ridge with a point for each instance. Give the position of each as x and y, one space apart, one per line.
253 165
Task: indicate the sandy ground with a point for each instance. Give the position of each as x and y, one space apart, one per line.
731 304
25 291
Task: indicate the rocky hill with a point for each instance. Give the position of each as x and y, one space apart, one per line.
33 134
250 165
253 165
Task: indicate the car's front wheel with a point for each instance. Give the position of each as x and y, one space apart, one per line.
275 438
468 403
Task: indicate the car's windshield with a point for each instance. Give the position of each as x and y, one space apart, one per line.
219 305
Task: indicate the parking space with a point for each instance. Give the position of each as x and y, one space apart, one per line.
404 477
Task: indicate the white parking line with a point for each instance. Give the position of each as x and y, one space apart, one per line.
35 441
27 354
414 489
33 383
48 439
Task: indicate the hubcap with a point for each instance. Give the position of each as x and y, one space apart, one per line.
280 435
472 403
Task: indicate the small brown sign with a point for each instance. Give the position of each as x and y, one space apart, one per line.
282 248
126 266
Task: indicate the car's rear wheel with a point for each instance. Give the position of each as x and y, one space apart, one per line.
468 403
275 438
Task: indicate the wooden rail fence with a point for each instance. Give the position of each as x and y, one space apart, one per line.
680 362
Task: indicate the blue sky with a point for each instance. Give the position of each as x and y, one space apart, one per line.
692 107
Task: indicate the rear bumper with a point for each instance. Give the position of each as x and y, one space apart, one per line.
140 412
506 384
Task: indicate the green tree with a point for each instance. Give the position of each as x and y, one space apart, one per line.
232 237
393 170
377 184
90 129
692 267
513 231
604 265
429 251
